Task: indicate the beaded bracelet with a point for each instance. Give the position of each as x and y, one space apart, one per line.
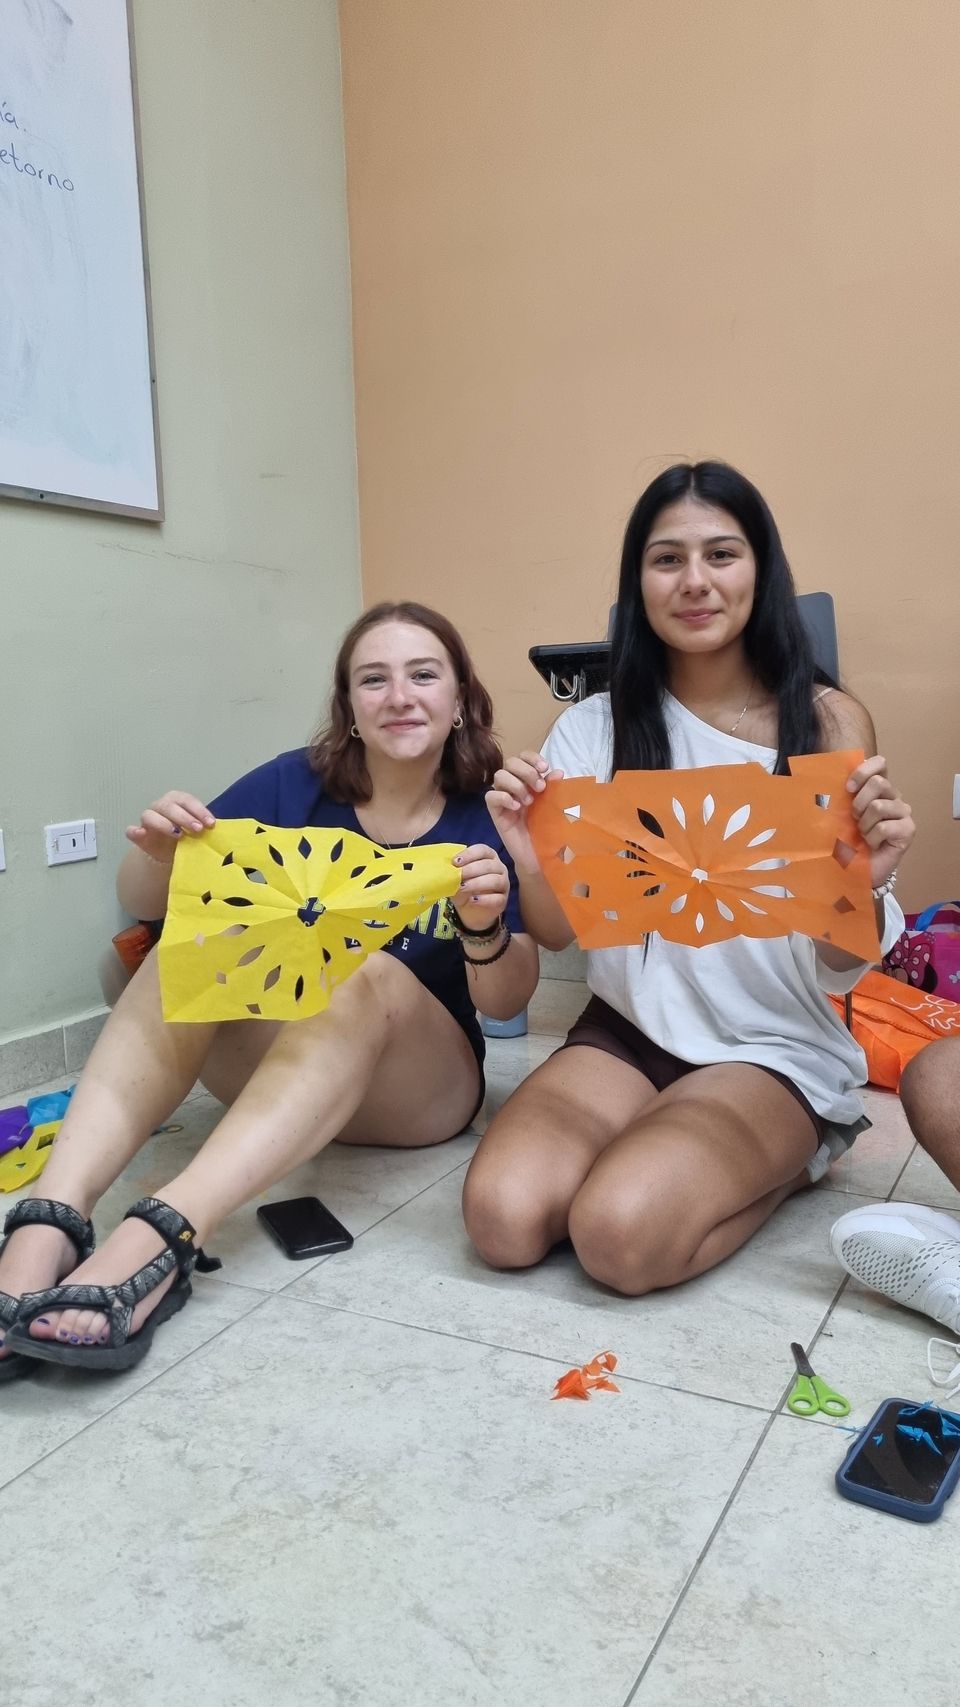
501 951
463 932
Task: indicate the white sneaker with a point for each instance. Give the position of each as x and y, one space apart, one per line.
906 1251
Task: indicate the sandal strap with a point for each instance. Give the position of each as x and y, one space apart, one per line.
117 1302
9 1310
46 1212
176 1232
100 1298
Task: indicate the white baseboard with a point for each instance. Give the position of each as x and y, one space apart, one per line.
59 1052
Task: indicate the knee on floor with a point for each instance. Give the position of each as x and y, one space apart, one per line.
505 1222
621 1247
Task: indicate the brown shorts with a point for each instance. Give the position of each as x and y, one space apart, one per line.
601 1027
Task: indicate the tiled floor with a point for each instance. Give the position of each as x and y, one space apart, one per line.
344 1484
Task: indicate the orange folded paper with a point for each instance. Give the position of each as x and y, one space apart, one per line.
580 1383
701 856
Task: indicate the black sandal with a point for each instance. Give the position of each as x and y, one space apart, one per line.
42 1212
123 1349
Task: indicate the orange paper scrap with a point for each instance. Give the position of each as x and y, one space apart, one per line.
591 1377
701 856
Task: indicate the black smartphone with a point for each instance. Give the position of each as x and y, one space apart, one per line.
304 1227
907 1460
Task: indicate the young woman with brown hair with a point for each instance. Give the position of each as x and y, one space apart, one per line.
396 1058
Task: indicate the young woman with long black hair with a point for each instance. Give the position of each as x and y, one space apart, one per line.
701 1086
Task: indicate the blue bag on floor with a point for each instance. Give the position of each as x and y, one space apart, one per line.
44 1109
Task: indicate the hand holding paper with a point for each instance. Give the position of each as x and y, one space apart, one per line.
701 856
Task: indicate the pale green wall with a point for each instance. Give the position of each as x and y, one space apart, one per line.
137 658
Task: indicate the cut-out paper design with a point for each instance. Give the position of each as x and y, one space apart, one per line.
592 1377
27 1133
22 1163
264 923
701 856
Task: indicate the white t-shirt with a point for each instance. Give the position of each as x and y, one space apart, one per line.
752 999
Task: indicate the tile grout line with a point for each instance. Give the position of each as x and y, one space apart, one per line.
777 1412
851 1191
633 1693
125 1400
890 1197
841 1289
517 1351
774 1415
845 1282
828 1314
322 1261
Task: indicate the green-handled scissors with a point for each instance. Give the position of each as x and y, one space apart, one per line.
810 1395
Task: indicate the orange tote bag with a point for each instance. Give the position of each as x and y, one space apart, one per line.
892 1022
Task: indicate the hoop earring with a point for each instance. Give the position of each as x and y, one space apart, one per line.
458 723
354 731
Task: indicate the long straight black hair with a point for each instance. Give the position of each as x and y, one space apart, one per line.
775 640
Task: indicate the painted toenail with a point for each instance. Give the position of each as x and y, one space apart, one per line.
43 1321
88 1339
74 1339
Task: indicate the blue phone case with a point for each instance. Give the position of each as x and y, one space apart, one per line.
915 1511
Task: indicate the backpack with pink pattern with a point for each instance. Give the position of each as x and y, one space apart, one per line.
927 955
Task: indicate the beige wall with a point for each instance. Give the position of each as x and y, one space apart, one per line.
591 236
138 658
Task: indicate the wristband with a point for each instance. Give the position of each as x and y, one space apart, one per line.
884 889
463 931
501 951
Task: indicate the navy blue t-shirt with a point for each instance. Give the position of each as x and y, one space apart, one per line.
286 792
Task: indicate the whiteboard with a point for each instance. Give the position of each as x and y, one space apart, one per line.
77 392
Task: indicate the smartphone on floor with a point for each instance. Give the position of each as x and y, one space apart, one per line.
304 1227
906 1461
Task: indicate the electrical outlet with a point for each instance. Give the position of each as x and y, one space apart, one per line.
68 842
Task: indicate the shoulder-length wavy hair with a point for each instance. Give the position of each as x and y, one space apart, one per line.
775 639
470 755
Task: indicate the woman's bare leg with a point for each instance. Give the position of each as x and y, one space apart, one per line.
930 1092
538 1151
652 1189
139 1071
384 1042
694 1177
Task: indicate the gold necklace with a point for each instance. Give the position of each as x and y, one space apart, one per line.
383 843
753 683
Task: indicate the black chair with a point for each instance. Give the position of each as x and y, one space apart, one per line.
820 621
